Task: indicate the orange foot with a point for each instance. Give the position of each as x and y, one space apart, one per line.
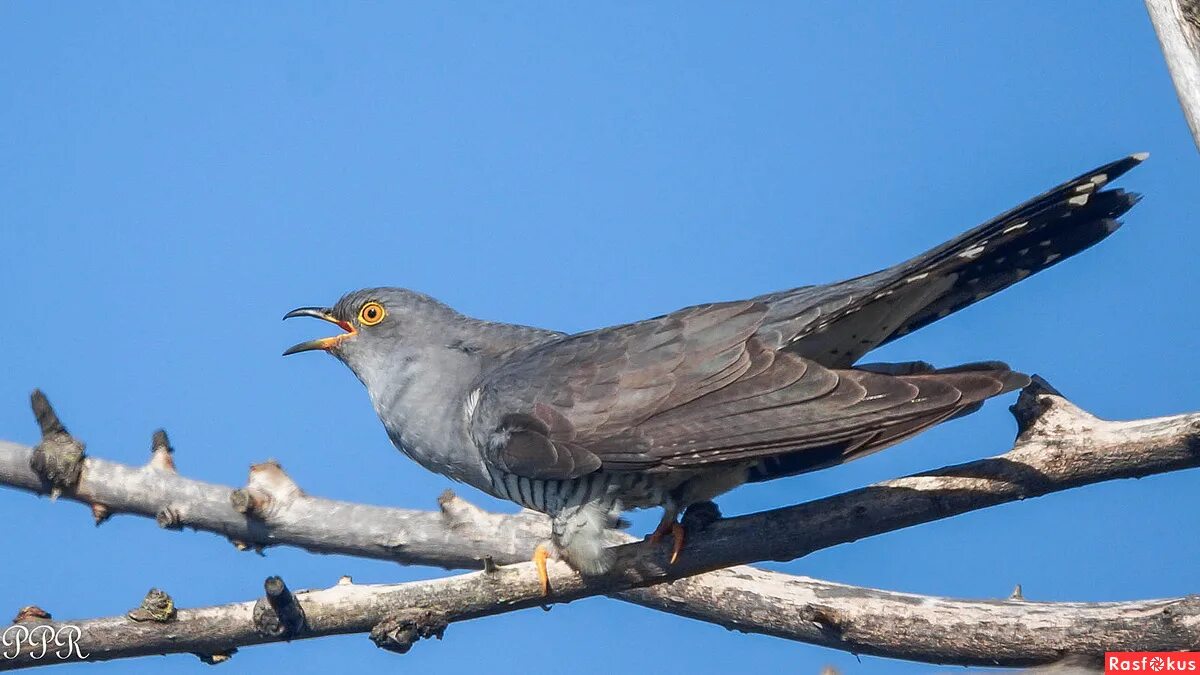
668 525
539 560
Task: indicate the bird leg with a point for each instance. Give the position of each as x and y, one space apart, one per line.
539 560
669 525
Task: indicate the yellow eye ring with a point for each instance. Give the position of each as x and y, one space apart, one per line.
371 314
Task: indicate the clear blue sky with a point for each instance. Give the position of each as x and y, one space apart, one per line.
174 177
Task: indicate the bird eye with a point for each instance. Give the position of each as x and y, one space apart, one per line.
371 314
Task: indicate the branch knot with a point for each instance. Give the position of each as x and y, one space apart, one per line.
268 490
400 631
31 614
826 619
157 606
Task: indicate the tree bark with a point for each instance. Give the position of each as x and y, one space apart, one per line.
1177 23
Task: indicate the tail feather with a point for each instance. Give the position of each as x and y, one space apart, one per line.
838 324
1032 237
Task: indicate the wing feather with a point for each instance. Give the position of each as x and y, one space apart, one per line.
548 412
724 400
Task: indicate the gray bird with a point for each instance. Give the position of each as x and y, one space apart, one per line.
675 410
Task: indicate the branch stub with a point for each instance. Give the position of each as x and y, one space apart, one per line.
58 459
278 614
161 452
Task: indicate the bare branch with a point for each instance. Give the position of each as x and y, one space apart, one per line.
999 632
1060 447
1177 23
1006 633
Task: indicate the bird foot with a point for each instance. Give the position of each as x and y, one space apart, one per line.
669 526
540 554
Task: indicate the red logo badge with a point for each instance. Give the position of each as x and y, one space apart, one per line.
1151 662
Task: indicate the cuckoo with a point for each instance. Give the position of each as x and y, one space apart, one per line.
675 410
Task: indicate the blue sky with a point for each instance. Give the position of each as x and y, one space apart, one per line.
177 176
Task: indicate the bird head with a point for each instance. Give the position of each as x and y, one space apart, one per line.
379 326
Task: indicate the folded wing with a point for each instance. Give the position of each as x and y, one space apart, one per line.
677 393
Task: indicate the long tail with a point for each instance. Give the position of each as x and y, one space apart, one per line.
1036 235
838 323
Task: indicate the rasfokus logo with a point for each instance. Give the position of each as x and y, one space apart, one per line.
1151 662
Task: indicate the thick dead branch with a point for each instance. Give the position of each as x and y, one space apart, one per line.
999 632
1177 23
1060 447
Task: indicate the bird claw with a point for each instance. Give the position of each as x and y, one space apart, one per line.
669 526
540 554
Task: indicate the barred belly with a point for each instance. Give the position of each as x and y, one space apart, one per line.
624 490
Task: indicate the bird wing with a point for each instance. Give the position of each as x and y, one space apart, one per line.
554 410
802 415
695 388
838 323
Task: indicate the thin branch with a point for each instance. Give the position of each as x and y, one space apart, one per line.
1177 23
1060 447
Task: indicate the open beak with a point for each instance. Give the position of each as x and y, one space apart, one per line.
324 344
